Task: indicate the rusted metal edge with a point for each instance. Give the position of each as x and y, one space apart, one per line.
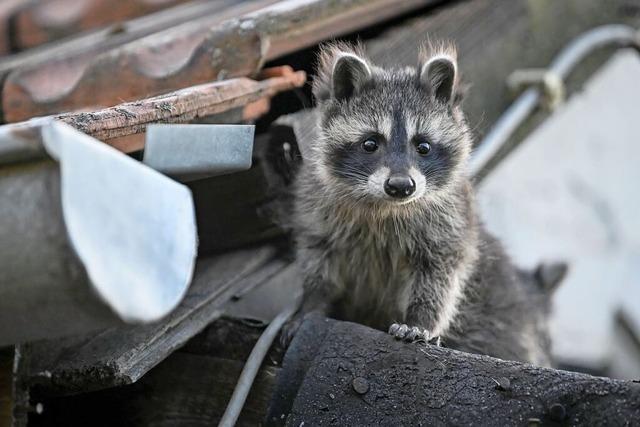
22 141
167 61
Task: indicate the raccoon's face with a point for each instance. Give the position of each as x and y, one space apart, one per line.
392 137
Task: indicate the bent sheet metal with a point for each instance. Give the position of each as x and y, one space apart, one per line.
89 237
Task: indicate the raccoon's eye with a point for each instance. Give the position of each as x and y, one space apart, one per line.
423 148
369 145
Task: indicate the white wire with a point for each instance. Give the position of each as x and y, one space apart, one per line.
252 366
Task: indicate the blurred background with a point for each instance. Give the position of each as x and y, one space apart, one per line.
556 177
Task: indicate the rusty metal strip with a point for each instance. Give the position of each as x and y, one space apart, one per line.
173 59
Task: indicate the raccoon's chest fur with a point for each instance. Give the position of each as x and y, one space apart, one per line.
372 276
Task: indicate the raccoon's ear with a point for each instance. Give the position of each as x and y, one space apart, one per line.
349 73
438 74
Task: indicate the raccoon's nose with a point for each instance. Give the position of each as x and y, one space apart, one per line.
399 186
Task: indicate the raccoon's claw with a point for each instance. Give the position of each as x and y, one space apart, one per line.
398 331
404 332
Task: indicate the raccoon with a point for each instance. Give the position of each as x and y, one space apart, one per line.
386 228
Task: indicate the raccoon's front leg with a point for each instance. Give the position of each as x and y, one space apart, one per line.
432 305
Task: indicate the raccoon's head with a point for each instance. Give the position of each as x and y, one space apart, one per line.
389 137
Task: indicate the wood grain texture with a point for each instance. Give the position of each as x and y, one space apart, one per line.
190 388
179 107
21 141
245 114
121 356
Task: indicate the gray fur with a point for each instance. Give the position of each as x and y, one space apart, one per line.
425 261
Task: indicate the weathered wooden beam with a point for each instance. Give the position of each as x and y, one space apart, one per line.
121 356
183 106
44 21
341 373
248 113
190 388
184 56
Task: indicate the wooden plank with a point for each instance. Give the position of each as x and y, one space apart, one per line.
185 390
178 107
265 302
248 113
295 24
22 140
187 55
190 388
122 355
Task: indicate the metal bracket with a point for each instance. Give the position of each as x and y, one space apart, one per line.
550 83
193 151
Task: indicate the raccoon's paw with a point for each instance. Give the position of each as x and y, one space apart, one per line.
407 333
